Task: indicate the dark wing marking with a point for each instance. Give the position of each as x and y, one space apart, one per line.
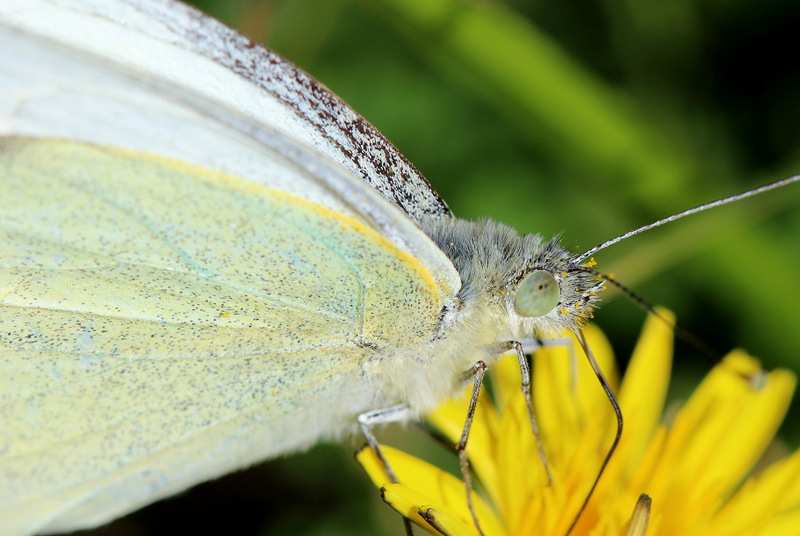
348 138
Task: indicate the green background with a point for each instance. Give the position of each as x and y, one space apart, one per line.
590 118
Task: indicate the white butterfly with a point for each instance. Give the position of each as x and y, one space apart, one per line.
208 259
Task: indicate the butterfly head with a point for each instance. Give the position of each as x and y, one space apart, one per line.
529 286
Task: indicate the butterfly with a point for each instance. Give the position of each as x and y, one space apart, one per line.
211 124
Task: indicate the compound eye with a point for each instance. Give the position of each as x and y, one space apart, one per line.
537 294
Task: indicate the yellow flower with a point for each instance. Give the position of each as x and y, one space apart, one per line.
693 468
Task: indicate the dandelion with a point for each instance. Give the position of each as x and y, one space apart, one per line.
695 467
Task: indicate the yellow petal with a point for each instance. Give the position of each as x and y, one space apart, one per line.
727 445
764 499
373 466
715 439
520 469
423 484
406 503
642 394
556 407
507 379
445 523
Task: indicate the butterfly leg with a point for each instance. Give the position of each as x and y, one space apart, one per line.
531 346
523 349
476 373
384 416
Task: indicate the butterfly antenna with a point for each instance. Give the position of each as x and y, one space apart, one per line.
682 332
699 208
617 411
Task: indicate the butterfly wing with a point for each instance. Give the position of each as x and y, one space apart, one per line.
166 319
196 54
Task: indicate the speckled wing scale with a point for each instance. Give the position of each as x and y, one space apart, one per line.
143 358
164 315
